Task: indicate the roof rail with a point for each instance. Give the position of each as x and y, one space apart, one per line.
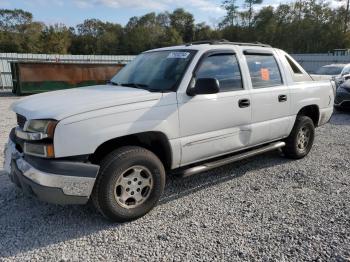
225 42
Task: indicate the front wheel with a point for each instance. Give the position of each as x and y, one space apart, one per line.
130 183
301 139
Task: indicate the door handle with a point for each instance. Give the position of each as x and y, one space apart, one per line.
242 103
282 98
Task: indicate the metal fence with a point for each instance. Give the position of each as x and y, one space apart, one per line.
7 58
312 62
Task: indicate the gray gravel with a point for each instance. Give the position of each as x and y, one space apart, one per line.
265 208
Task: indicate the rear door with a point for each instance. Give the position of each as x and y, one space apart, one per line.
215 124
270 97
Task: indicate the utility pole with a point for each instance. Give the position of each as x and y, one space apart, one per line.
346 16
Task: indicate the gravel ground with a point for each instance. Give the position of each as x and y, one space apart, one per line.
266 208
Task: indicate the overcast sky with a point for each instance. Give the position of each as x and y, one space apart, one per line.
72 12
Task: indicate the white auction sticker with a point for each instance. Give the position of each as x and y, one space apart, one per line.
181 55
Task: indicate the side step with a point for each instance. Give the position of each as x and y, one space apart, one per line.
207 166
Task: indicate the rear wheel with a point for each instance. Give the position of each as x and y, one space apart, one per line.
130 183
300 141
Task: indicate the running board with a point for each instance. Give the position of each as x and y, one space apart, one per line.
207 166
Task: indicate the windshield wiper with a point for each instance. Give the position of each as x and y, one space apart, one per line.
113 83
140 86
135 85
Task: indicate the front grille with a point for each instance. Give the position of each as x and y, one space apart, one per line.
21 120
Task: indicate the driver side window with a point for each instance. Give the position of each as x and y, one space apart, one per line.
223 67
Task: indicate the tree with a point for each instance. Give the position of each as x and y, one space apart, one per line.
142 33
250 4
109 39
265 25
30 37
231 13
171 37
204 32
346 17
18 32
11 20
163 19
57 39
183 23
96 37
302 26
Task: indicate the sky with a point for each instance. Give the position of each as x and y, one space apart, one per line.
73 12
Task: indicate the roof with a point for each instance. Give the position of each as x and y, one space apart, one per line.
212 44
226 42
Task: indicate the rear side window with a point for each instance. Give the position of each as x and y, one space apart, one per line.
294 67
297 74
223 67
264 71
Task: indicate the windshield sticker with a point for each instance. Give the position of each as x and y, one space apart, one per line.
179 55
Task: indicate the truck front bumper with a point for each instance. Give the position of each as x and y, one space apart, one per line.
53 181
342 99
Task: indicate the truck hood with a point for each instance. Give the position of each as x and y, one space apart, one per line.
62 104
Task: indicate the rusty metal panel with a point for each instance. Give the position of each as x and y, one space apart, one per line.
7 58
30 78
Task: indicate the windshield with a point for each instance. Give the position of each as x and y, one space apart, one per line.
329 70
155 71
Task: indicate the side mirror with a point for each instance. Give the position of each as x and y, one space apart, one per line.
204 86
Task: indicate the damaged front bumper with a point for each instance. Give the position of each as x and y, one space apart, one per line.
50 180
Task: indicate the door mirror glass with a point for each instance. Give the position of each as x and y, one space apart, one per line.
204 86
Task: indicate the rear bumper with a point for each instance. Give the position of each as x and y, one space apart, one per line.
53 181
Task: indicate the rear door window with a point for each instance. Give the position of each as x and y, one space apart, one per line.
264 70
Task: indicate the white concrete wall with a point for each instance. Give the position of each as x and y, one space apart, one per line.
311 62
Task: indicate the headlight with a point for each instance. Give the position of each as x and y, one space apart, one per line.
46 127
40 150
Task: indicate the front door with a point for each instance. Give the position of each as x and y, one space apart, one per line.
215 124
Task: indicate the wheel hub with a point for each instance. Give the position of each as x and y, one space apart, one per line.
133 187
303 138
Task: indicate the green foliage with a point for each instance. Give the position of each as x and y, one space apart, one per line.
57 39
231 13
183 22
249 4
303 26
13 20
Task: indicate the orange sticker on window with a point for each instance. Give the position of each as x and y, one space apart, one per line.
265 74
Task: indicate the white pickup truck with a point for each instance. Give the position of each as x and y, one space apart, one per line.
182 109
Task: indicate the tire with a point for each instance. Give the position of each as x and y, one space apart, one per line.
130 182
301 139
